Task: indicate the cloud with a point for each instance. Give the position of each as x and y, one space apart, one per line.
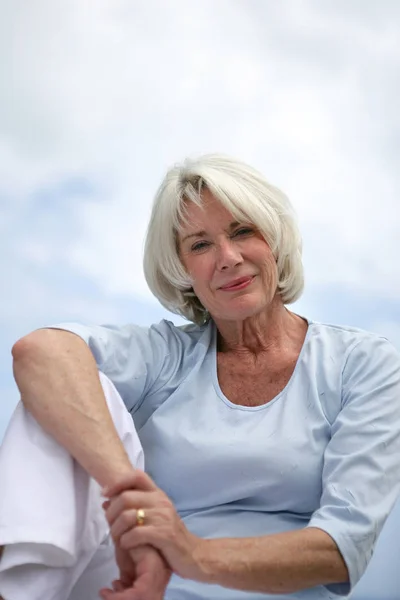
119 91
97 99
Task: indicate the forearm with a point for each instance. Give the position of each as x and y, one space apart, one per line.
274 564
59 384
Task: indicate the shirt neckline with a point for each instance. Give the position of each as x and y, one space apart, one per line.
278 396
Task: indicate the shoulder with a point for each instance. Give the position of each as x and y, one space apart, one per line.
182 339
363 359
345 341
158 345
165 330
187 334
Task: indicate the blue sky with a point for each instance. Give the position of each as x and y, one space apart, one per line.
98 99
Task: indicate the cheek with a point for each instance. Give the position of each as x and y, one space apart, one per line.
269 268
188 264
200 268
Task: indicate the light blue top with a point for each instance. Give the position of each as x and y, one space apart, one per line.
324 453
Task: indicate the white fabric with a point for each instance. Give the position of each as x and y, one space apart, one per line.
56 538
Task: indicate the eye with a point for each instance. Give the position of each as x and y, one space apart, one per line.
243 231
199 246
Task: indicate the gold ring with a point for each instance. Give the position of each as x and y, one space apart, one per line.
140 516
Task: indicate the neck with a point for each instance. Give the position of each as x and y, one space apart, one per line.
272 329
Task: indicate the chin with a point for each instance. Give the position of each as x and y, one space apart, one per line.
243 310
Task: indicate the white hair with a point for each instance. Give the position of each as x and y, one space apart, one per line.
246 194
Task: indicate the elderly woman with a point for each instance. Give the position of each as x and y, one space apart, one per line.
271 441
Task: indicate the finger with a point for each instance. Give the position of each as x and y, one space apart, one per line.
137 592
118 586
125 521
122 593
128 594
127 501
141 536
137 480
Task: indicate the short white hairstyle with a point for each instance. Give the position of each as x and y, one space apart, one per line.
248 196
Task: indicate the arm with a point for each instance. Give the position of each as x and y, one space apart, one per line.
361 472
272 564
360 485
59 384
275 564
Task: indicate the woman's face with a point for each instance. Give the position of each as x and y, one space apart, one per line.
232 267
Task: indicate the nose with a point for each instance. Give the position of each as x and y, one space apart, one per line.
228 255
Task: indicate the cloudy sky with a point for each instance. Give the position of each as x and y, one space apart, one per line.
98 98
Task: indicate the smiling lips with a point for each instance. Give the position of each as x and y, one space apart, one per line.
237 284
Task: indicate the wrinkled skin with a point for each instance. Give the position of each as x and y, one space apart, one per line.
144 575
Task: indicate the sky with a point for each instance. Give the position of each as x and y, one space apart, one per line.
99 97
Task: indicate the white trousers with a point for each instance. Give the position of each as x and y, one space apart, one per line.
56 537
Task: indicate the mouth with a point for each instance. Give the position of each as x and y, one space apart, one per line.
237 284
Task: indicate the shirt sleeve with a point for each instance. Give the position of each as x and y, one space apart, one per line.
132 357
361 473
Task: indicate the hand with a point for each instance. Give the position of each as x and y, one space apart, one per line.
163 529
144 575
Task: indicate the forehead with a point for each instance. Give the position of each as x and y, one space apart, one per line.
210 211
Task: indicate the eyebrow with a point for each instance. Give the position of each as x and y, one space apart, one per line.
202 233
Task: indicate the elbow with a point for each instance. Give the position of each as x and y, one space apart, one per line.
25 352
20 348
32 357
28 345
